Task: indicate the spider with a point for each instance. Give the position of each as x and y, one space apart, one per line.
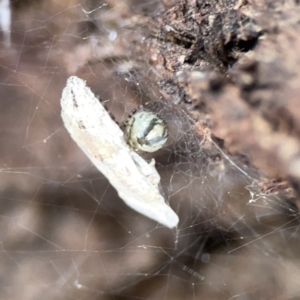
146 131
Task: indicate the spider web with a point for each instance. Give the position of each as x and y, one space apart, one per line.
64 232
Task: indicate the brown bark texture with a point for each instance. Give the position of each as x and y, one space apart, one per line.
235 65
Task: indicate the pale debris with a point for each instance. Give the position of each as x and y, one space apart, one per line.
5 20
101 139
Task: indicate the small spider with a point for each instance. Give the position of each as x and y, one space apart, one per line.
146 131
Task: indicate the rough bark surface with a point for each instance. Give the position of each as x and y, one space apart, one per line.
235 64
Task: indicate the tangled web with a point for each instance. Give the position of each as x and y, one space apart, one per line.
65 234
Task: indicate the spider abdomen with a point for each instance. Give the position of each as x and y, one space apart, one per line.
146 131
